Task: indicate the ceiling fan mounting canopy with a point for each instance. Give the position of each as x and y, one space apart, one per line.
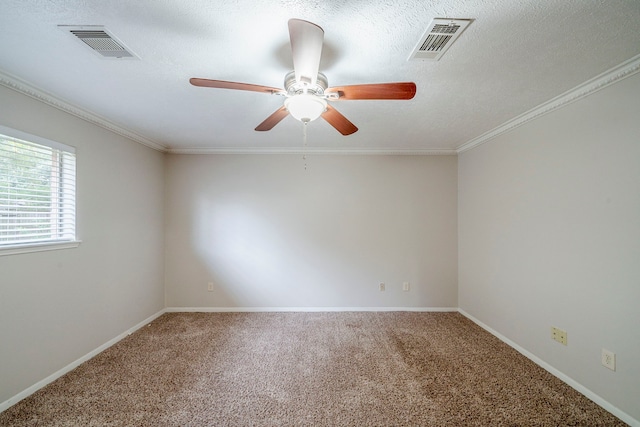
307 90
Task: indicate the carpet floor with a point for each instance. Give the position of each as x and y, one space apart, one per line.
308 369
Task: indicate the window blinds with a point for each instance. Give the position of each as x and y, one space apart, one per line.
37 192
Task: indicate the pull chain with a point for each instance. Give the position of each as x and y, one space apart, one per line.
304 143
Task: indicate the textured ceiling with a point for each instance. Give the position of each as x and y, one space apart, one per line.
514 56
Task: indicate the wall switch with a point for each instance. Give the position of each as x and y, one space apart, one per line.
559 335
609 359
210 286
406 286
382 287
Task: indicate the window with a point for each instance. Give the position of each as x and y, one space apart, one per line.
37 192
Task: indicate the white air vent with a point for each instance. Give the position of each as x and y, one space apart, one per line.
439 36
99 40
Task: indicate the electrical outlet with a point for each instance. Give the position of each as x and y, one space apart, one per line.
210 287
559 335
608 359
406 286
382 287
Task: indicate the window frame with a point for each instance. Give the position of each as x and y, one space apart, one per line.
28 247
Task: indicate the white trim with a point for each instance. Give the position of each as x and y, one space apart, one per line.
30 138
553 371
605 79
615 74
301 309
311 151
38 247
579 387
19 85
71 366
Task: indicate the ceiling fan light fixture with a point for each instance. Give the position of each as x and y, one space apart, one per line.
305 108
306 96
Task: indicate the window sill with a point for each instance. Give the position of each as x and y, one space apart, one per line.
38 247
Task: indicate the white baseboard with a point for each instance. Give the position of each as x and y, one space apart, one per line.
37 386
71 366
302 309
571 382
579 387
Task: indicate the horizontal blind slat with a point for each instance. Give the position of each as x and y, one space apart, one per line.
37 192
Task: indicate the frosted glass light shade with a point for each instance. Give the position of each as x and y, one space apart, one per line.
304 107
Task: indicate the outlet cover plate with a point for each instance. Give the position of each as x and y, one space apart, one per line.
559 335
608 359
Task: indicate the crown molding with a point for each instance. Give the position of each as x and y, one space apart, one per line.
19 85
312 151
626 69
615 74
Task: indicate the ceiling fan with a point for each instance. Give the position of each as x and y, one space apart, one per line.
306 90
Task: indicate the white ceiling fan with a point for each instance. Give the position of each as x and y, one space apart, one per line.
306 89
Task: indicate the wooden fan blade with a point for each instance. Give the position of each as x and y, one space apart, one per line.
402 90
273 119
306 48
338 121
221 84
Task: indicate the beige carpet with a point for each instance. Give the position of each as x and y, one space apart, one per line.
308 369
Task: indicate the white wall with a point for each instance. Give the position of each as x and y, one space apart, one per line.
546 219
57 306
549 234
269 233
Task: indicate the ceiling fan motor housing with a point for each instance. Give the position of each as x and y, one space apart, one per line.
294 87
